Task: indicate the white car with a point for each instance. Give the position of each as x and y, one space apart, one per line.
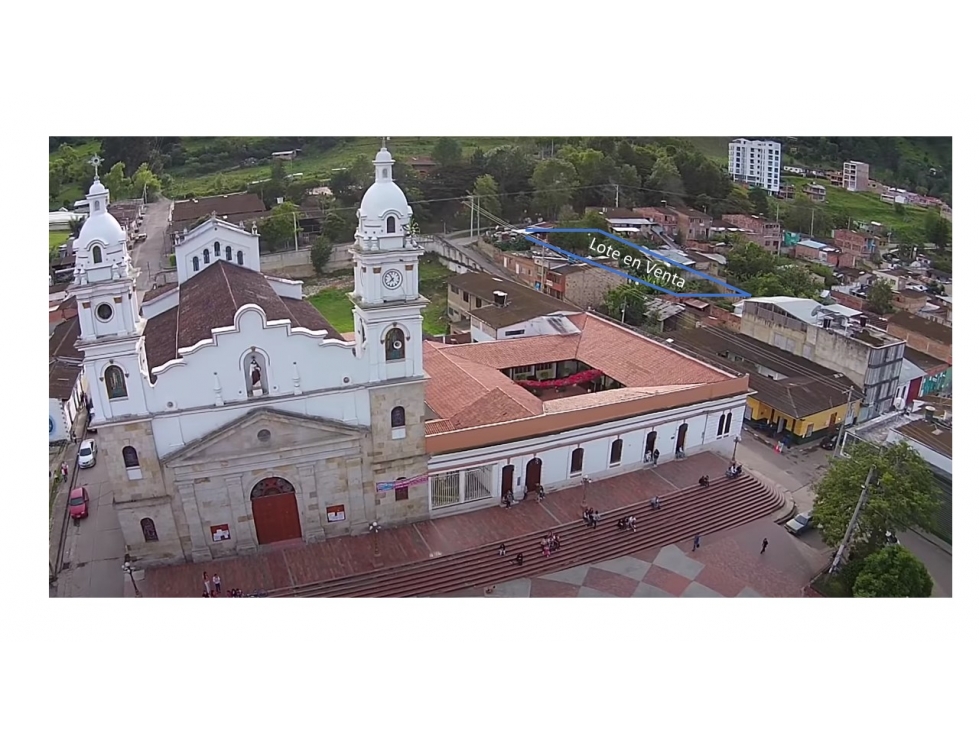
799 523
86 454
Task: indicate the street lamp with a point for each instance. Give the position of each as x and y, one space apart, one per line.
375 529
128 568
585 481
734 454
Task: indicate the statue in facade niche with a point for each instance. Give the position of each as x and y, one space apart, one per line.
256 374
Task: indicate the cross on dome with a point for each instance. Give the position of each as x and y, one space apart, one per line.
95 162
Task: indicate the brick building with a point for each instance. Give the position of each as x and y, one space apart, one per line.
763 232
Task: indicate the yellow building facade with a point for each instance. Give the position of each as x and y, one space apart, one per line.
801 427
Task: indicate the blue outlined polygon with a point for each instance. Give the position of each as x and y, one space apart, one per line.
629 276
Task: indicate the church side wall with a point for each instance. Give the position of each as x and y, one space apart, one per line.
555 451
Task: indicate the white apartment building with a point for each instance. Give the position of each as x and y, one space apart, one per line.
755 162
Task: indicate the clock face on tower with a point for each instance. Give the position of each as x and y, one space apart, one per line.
391 279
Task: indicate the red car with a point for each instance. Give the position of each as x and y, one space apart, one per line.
78 503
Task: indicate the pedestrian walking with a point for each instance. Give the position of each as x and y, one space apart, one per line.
696 542
216 580
502 550
764 544
655 456
207 585
64 471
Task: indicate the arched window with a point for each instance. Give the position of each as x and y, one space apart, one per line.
616 455
394 345
241 257
207 256
720 424
577 460
391 225
727 423
97 207
129 457
149 530
115 382
96 255
227 253
398 417
217 250
197 263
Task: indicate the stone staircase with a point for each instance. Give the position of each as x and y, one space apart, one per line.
695 510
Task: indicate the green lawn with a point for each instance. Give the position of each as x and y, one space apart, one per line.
56 240
313 166
864 206
433 282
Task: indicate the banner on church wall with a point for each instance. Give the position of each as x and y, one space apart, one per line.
220 532
402 483
336 513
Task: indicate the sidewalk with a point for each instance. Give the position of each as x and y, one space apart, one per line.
793 473
296 564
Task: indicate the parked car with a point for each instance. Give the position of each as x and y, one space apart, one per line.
86 454
78 503
800 523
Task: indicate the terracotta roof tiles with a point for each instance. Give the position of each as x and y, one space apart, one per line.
210 299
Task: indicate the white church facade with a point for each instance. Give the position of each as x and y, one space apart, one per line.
232 415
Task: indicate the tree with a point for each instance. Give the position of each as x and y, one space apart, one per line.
75 225
879 297
487 195
937 230
759 201
892 572
554 182
319 256
736 202
665 181
447 152
903 495
748 260
336 228
145 181
116 182
803 215
279 228
630 299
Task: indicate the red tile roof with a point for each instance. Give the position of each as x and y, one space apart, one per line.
158 291
210 299
225 205
61 345
467 387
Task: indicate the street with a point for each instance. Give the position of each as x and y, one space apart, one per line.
148 255
94 548
798 470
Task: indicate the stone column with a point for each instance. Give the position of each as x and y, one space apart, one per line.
244 528
199 548
309 504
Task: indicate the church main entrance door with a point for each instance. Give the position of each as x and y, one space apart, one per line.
275 511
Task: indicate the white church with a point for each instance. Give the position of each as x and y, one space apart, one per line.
232 415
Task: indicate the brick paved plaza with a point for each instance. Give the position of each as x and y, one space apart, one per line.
297 563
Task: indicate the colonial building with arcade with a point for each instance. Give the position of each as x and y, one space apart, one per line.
231 414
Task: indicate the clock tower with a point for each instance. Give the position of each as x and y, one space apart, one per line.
387 304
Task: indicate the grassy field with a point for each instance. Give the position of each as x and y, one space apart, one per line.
318 165
864 206
433 282
56 240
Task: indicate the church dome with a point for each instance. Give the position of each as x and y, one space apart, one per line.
103 227
97 188
384 196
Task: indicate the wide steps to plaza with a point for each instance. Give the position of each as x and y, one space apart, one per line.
682 515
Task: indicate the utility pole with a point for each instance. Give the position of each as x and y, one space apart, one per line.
472 216
839 438
812 222
851 528
295 230
616 196
478 220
